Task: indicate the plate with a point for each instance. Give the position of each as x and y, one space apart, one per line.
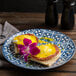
61 40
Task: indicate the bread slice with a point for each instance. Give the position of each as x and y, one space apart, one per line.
16 49
48 62
20 38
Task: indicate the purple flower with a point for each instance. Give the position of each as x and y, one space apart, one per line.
28 48
26 57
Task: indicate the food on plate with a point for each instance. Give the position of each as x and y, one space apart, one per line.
27 45
19 40
48 55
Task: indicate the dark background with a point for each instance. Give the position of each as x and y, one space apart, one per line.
26 6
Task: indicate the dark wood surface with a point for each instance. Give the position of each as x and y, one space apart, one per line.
24 21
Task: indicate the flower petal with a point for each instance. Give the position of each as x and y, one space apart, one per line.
34 51
33 45
27 42
20 46
26 57
22 52
23 48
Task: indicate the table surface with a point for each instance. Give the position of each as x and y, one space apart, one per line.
24 21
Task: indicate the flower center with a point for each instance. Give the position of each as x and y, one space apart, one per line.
27 49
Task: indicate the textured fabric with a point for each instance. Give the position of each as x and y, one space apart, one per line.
8 30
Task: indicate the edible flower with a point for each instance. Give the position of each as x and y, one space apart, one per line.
28 48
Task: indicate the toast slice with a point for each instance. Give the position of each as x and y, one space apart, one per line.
51 50
19 40
48 62
16 49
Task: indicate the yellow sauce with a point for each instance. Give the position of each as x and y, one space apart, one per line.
19 39
41 41
46 38
50 39
46 50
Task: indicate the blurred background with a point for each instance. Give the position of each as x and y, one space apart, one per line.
26 6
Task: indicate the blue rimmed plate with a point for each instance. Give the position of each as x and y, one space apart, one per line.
62 41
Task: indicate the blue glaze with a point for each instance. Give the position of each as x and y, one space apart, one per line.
61 40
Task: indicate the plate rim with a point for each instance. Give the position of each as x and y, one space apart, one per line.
38 68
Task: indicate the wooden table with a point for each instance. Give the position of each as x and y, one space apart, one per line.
24 21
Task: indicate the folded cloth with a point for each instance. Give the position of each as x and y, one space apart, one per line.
8 30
